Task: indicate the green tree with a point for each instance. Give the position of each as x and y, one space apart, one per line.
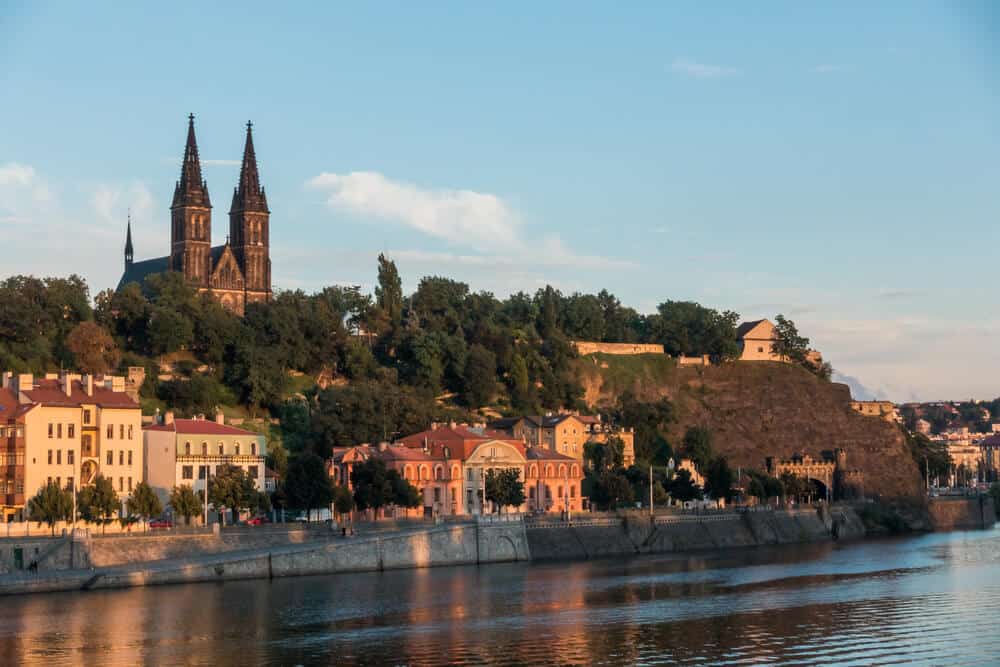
343 500
698 446
719 479
479 376
308 485
522 394
372 487
790 344
610 490
144 502
98 502
232 488
504 488
682 487
404 494
185 502
169 330
389 291
50 505
686 327
930 456
93 348
602 457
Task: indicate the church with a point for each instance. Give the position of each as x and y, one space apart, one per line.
236 273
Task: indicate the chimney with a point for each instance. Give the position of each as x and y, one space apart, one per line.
219 417
452 425
8 378
168 417
67 383
382 446
25 382
88 384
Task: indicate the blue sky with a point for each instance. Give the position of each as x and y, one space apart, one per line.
836 164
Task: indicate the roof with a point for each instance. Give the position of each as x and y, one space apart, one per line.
540 453
200 427
136 272
460 441
746 328
9 406
50 393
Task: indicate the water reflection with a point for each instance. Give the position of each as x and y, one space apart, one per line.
929 600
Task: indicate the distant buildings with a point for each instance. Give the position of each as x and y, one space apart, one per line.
565 433
449 464
185 451
66 428
882 409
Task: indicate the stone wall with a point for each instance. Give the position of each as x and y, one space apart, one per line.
588 347
962 513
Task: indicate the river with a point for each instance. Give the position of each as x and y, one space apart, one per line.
933 599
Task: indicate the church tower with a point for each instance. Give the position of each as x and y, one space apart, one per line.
191 218
249 220
129 253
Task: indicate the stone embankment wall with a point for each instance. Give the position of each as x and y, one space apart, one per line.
588 347
962 513
639 534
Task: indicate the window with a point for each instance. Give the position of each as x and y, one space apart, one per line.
760 349
59 482
437 494
130 457
51 430
470 474
201 472
71 430
253 449
572 492
204 449
121 484
253 470
221 449
111 458
121 431
187 449
187 472
70 457
111 431
50 457
130 484
129 431
237 449
86 416
58 457
69 483
121 457
58 430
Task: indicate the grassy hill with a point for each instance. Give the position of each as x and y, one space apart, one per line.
761 409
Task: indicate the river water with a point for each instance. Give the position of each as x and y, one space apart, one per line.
933 600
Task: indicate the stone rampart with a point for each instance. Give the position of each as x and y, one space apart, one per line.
589 347
958 513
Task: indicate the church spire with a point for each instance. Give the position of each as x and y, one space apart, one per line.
191 188
248 195
128 242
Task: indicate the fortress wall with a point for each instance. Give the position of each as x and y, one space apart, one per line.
586 347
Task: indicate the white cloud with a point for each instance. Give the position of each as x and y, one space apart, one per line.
112 203
480 221
221 163
13 173
701 70
462 217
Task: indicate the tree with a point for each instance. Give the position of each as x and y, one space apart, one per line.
185 502
604 456
93 348
479 376
719 479
789 344
389 291
98 502
404 494
232 488
144 502
609 490
50 505
686 327
343 501
930 456
793 485
372 488
682 487
169 330
308 485
698 446
504 488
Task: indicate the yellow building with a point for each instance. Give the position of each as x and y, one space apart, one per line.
882 409
73 428
565 433
757 341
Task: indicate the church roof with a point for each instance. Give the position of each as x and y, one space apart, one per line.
136 272
249 195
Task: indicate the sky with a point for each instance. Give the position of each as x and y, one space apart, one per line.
837 164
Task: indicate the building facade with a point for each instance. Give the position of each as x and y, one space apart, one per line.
565 433
236 273
448 465
68 429
188 451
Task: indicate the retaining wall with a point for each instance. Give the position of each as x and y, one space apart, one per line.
957 513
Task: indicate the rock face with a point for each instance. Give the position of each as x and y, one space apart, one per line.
757 410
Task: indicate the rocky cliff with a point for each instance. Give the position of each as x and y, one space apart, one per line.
757 410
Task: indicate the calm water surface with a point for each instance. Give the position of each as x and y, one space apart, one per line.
928 600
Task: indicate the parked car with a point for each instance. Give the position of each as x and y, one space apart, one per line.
258 520
161 523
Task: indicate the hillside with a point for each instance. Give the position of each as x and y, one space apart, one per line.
761 409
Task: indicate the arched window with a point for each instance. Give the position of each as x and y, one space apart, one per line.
221 449
438 473
204 449
572 492
574 471
531 493
253 449
187 449
455 473
548 492
424 473
562 471
559 491
237 449
407 472
548 470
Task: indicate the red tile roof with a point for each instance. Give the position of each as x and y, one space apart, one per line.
49 392
199 427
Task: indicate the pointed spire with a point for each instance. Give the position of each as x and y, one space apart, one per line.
191 188
248 195
128 241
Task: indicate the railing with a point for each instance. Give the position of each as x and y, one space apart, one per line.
499 518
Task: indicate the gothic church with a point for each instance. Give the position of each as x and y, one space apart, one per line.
236 273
